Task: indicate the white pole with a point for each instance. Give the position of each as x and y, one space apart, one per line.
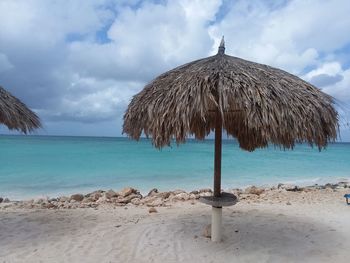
216 224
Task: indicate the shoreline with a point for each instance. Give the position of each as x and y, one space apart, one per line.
154 198
307 182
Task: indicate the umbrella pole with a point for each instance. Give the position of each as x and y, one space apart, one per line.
217 158
216 224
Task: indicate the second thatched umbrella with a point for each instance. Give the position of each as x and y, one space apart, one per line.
15 114
254 103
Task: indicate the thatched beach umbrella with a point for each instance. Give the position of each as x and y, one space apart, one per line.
255 103
15 114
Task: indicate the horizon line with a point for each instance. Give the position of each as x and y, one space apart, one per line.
126 137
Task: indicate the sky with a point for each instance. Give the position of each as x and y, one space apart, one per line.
78 63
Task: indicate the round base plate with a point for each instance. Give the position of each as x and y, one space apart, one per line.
226 199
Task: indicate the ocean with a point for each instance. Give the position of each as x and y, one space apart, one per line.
33 166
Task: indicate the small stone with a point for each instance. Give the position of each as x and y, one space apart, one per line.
88 200
110 194
334 186
194 196
179 191
40 201
148 199
127 191
153 192
135 201
254 190
343 184
205 194
63 199
288 203
163 195
152 210
102 200
182 196
291 188
128 198
97 191
205 190
50 205
207 231
77 197
95 196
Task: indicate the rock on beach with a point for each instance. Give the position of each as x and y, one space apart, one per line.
283 193
77 197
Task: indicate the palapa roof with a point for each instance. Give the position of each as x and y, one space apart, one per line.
15 114
259 105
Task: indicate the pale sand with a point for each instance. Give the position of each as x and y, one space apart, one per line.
254 232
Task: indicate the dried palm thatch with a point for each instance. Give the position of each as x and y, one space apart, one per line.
15 114
258 105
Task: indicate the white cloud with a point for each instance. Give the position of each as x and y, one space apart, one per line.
330 68
5 64
149 40
336 80
92 100
341 89
290 37
45 23
172 32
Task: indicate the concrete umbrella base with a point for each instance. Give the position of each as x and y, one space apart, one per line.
217 203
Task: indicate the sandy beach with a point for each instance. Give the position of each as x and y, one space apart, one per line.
275 225
175 131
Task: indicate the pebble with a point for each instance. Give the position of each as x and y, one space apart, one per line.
110 193
254 190
152 210
127 191
77 197
153 192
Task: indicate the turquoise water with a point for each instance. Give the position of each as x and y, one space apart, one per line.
32 166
